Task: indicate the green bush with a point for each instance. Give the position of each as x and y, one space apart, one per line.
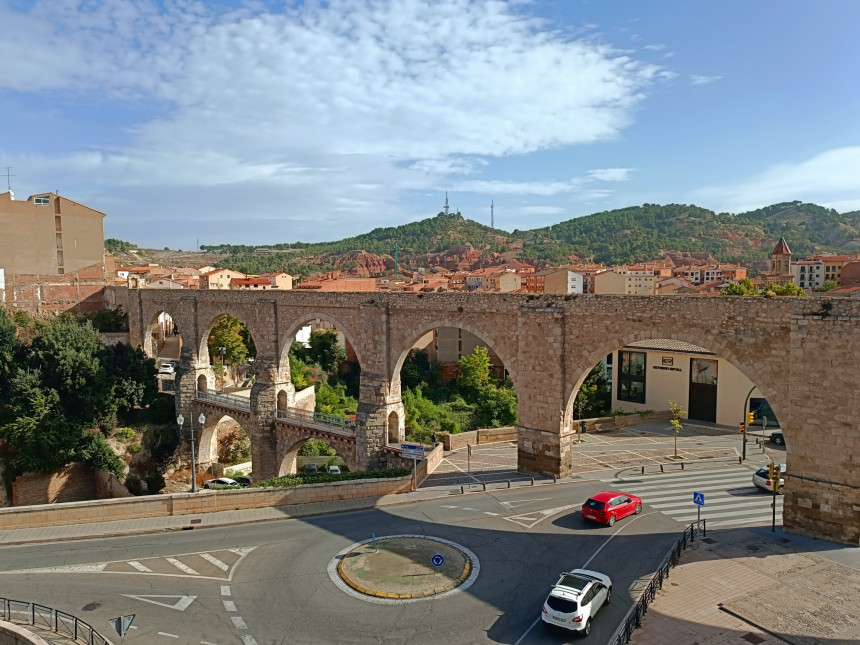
125 434
298 479
154 482
134 448
162 410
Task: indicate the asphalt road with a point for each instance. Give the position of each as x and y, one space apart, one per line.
268 583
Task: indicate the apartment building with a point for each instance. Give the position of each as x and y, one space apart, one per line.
219 278
49 234
808 274
562 280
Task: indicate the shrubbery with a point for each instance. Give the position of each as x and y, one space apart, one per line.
298 479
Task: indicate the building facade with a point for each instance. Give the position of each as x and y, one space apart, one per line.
49 235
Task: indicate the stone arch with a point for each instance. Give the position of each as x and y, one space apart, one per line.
501 348
149 346
739 358
207 449
293 328
202 383
282 399
288 461
396 434
257 335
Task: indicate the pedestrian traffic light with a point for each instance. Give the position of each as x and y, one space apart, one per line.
750 418
740 427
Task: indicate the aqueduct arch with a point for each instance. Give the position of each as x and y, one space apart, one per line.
803 353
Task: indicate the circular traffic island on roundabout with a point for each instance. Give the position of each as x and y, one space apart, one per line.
406 567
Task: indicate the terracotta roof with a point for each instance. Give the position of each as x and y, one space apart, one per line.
669 345
781 248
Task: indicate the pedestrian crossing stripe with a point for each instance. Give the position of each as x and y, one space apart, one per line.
733 500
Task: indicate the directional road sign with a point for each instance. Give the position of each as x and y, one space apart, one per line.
438 560
699 499
121 624
412 450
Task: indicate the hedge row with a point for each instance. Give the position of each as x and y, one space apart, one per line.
324 478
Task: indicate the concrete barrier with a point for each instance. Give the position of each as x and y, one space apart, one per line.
11 634
205 501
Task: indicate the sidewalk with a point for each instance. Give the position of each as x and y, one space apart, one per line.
760 587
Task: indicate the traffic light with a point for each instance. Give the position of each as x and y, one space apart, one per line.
750 418
777 473
740 427
770 472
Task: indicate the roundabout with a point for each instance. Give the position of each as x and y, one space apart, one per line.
404 568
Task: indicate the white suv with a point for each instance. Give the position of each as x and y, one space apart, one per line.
575 599
165 368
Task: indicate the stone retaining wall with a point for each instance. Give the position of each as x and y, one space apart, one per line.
205 501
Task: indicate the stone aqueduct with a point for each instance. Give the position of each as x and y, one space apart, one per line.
802 353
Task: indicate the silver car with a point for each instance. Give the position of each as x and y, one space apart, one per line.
762 479
575 599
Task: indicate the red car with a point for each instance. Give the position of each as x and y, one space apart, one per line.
607 506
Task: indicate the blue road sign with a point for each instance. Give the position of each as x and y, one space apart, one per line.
438 560
412 450
699 499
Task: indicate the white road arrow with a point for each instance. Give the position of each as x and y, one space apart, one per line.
181 603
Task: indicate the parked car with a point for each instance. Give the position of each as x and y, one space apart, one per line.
333 470
574 600
761 479
778 438
220 482
311 469
607 506
244 480
166 368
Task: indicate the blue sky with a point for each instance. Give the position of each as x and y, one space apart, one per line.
264 122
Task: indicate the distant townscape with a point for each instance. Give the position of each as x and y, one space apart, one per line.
54 258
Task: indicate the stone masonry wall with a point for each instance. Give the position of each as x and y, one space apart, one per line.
73 483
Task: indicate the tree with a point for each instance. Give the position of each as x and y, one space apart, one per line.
414 369
787 289
676 414
228 332
9 347
744 287
325 350
475 369
594 398
829 285
496 407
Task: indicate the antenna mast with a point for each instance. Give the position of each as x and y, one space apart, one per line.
492 222
9 176
447 209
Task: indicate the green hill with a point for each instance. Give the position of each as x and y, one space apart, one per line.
619 236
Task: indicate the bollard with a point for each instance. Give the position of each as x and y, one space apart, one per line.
661 468
462 490
533 481
509 483
682 465
643 470
484 484
554 479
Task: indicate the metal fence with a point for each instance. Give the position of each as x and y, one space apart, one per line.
227 400
633 619
32 614
340 425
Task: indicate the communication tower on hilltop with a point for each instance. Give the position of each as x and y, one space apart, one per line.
492 222
447 208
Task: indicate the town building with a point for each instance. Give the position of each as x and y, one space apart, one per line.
49 234
649 373
219 278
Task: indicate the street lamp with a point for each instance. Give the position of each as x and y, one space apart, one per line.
202 419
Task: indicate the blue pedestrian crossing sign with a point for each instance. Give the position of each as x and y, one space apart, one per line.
699 499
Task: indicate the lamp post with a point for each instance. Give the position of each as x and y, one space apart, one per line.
202 419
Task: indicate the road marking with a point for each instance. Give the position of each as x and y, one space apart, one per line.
513 503
96 567
238 622
182 567
528 520
488 513
587 562
449 506
247 639
242 551
466 508
229 605
137 565
206 643
215 561
168 635
181 604
225 590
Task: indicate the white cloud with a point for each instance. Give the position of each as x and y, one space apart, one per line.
494 187
830 178
609 174
654 48
324 100
697 79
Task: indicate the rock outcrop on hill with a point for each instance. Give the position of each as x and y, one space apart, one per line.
462 257
362 264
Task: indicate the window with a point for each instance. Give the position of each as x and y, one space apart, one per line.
59 258
58 223
42 201
631 377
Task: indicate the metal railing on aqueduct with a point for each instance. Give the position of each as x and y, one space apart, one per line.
331 423
227 400
32 614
